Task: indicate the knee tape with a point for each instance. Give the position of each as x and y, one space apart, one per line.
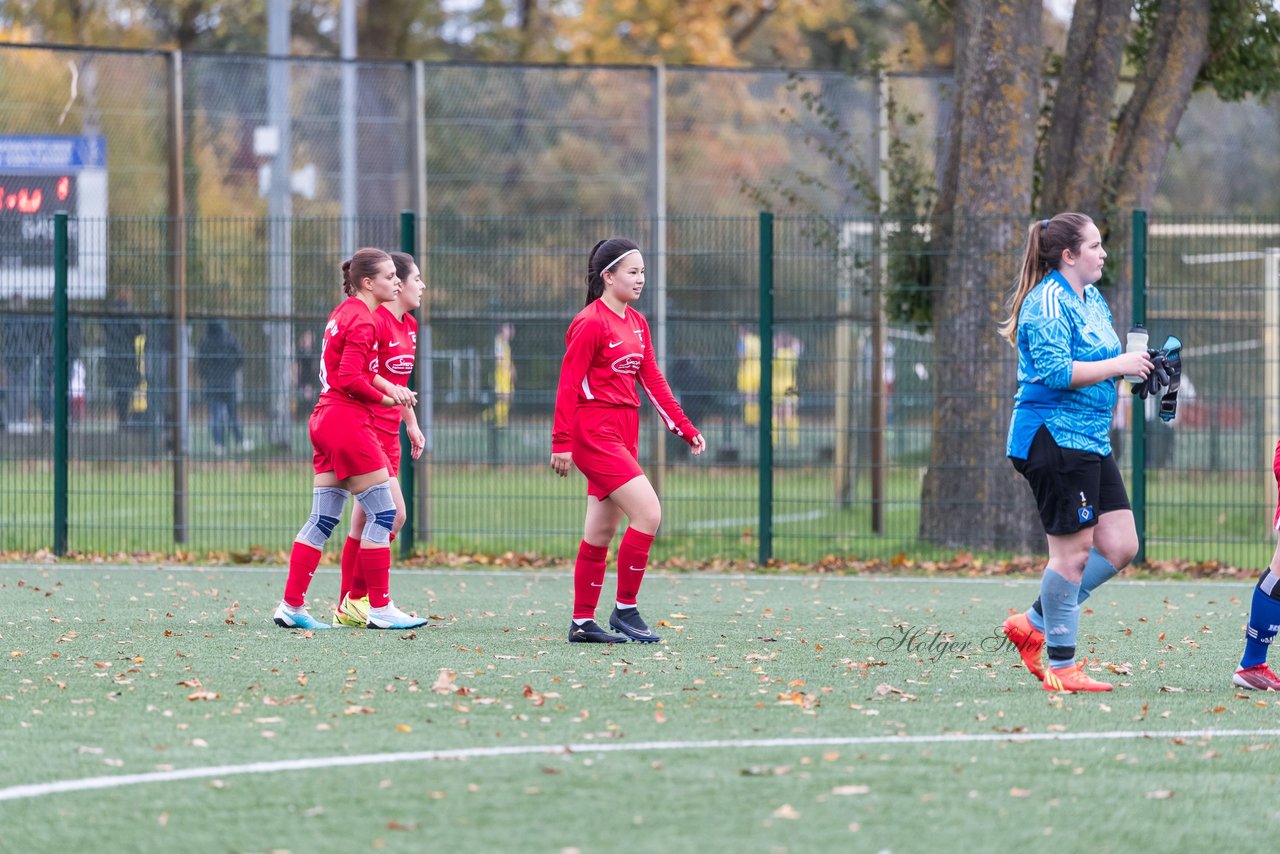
379 513
1268 584
326 509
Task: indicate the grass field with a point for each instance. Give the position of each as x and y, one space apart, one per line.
157 709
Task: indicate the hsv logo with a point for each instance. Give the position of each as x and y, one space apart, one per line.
402 364
628 364
413 336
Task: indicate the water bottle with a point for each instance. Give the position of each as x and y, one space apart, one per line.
1136 342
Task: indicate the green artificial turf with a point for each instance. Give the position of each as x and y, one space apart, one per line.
935 736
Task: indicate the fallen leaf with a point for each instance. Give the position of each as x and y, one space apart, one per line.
786 811
1159 795
851 790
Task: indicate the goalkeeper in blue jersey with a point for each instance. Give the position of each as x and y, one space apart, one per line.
1069 357
1264 617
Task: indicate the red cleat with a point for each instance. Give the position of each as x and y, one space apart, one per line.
1027 640
1256 678
1068 680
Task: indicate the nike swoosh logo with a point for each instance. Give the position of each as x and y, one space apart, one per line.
394 344
593 584
637 568
613 344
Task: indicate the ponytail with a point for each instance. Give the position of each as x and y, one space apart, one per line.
1047 239
360 266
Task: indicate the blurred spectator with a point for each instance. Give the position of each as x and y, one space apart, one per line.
26 342
218 361
504 374
306 373
121 337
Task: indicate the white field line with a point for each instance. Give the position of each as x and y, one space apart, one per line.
36 790
559 573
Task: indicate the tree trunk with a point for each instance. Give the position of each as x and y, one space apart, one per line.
1079 139
1150 118
971 495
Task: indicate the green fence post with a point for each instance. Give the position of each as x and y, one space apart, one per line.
60 383
766 387
1137 409
408 243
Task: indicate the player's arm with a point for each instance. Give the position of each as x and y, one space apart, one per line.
580 346
417 441
664 402
350 378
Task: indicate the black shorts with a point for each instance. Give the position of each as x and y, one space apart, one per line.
1072 488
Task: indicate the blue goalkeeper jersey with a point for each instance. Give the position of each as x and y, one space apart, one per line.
1056 328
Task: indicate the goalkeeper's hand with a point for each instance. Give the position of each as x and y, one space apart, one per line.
1157 379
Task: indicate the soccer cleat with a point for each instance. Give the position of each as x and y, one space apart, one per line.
352 613
629 622
288 617
391 617
1027 640
1256 678
590 632
1068 680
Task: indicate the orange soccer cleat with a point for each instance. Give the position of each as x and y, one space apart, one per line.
1028 640
1071 679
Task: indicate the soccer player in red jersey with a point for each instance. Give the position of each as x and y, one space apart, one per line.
347 455
597 429
397 338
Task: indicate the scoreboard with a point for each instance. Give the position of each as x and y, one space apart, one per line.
39 176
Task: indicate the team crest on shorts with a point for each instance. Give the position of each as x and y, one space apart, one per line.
1085 512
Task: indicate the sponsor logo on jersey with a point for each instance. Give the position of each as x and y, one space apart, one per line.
402 364
628 364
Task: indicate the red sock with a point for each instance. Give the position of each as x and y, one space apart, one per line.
303 560
375 566
633 558
350 569
588 579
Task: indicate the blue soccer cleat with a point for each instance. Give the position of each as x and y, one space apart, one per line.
288 617
630 623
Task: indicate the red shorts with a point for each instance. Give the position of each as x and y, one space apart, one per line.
1275 467
391 449
606 445
344 442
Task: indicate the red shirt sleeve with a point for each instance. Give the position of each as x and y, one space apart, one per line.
353 377
581 342
659 393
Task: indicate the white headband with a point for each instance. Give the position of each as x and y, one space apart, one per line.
606 267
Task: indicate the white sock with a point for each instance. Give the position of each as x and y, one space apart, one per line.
581 621
622 607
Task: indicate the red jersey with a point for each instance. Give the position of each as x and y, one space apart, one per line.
604 355
349 358
397 349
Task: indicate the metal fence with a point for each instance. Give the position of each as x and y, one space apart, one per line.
839 473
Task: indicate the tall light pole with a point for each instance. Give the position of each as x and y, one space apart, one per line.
280 229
